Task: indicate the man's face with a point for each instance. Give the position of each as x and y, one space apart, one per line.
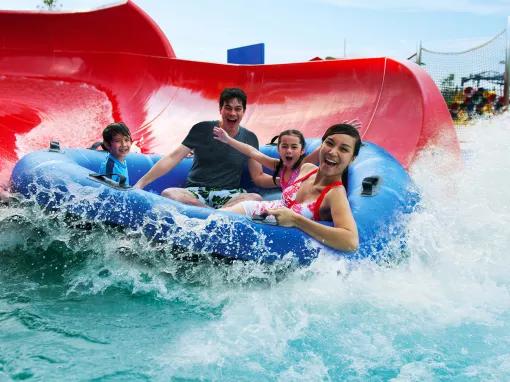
231 114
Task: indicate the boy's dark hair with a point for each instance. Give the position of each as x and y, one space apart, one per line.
347 129
295 133
229 93
113 129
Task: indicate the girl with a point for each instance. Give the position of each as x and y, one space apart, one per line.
318 194
291 148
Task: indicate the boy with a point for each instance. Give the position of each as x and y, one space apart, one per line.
117 141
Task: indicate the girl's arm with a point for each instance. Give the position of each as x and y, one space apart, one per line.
343 235
250 151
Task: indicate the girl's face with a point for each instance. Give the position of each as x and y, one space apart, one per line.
336 153
290 149
119 146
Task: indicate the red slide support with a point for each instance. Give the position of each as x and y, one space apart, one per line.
66 75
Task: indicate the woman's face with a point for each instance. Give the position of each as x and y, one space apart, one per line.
290 149
336 153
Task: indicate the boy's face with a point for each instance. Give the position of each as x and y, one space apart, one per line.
119 146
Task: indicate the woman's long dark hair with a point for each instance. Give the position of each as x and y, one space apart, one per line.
291 132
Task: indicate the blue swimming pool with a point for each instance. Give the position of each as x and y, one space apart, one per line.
92 303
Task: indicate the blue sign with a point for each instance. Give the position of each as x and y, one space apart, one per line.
247 55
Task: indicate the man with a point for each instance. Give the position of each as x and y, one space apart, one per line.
215 176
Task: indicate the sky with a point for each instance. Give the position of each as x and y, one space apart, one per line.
298 30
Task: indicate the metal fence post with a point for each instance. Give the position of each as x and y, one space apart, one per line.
507 64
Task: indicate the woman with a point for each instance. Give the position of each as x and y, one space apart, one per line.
318 194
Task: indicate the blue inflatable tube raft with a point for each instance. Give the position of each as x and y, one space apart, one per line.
380 193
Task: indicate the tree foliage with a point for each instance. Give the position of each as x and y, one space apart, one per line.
448 88
50 5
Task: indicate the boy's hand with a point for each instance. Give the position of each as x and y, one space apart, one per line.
220 134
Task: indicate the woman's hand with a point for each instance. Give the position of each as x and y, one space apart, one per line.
284 216
220 134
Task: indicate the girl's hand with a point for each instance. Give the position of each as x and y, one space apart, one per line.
220 134
284 216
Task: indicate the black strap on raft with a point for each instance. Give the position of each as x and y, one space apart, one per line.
96 145
54 146
110 164
107 180
370 185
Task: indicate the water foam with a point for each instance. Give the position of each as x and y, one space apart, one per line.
455 277
440 313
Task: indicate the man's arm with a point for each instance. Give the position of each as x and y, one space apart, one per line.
248 150
258 176
163 166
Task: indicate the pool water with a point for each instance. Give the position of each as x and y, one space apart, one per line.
97 304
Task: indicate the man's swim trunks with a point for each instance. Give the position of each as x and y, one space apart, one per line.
214 197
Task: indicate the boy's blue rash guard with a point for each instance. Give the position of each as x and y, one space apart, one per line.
112 165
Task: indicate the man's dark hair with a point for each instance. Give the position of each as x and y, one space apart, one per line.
115 128
229 93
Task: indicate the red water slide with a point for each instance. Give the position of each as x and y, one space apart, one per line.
67 75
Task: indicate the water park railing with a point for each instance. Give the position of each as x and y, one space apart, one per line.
474 82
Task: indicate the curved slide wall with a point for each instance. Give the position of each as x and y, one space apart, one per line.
66 75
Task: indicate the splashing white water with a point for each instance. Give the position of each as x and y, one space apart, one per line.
417 319
456 274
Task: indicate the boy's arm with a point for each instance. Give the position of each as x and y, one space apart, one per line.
163 166
250 151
